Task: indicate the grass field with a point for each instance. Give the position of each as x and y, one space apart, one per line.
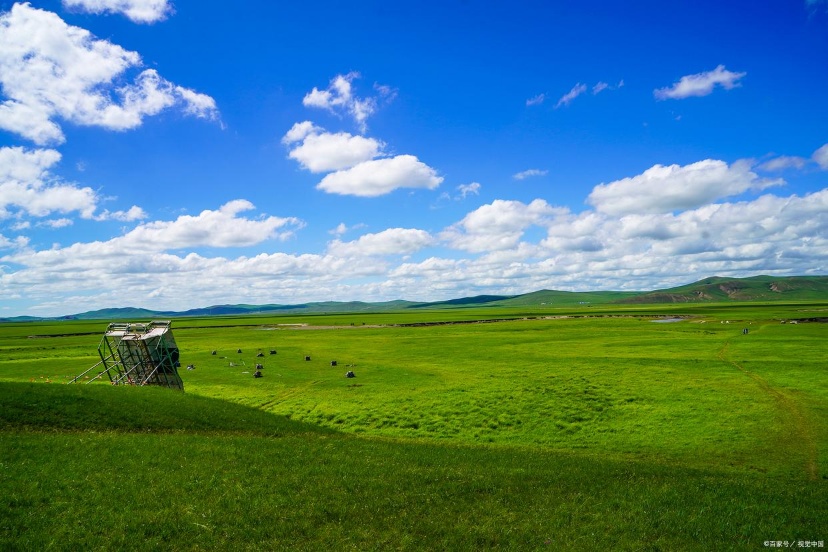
588 427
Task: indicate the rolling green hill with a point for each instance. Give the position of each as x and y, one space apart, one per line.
757 288
713 289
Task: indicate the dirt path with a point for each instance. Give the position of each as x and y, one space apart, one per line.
801 429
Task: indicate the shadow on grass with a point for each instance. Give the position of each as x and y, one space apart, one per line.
50 407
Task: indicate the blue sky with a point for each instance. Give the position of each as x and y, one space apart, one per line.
178 155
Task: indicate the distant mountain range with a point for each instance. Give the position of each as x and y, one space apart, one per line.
714 289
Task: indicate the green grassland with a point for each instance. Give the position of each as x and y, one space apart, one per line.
520 427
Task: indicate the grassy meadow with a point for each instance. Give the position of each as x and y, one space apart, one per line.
539 427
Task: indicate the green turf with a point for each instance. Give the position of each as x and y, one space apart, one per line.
586 427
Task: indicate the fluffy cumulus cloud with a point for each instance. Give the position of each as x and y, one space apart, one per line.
700 84
51 71
339 98
663 189
381 176
139 11
394 241
220 228
320 151
143 261
357 164
28 189
498 225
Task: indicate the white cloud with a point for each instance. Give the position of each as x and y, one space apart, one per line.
197 104
342 228
783 162
529 173
57 223
220 228
567 98
601 86
17 243
139 11
820 156
468 189
25 183
583 251
132 214
381 176
322 151
536 100
498 225
394 241
700 84
299 131
662 189
28 188
339 98
50 70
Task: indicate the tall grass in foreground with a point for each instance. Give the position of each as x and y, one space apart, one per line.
257 482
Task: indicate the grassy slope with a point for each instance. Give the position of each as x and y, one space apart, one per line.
757 288
610 433
201 474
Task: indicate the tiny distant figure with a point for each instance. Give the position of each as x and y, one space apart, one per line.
745 331
239 351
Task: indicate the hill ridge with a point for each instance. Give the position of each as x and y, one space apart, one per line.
710 289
